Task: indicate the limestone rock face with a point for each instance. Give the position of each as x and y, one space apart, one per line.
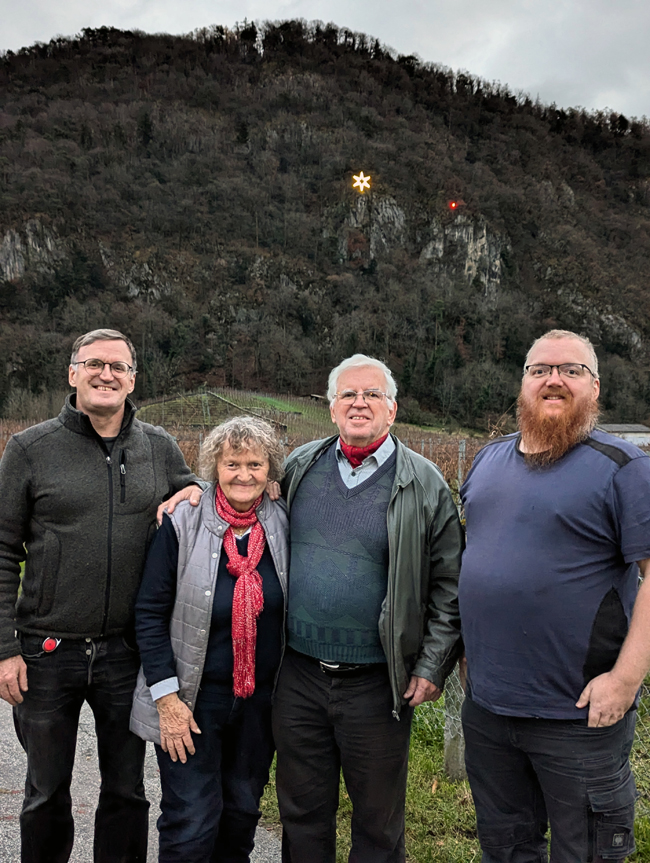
464 249
140 278
35 247
467 248
374 227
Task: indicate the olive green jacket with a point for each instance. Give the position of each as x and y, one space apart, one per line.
419 624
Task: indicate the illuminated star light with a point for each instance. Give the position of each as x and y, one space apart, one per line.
361 181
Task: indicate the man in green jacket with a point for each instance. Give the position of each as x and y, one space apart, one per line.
78 499
372 624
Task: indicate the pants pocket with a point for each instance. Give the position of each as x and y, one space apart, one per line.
612 803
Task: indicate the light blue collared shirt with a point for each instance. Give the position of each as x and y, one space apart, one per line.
353 477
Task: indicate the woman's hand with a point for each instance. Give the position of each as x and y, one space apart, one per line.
176 723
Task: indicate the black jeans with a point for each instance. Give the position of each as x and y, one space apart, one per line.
527 773
324 724
102 672
210 804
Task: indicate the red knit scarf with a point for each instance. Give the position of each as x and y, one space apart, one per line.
248 598
356 454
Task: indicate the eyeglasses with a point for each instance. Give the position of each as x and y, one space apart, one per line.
96 367
369 396
566 370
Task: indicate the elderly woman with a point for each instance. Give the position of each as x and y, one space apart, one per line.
209 624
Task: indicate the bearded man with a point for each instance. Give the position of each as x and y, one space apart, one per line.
556 635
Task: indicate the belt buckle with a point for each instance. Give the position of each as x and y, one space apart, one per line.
50 644
328 666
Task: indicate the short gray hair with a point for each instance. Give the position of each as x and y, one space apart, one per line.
103 336
359 361
567 334
241 433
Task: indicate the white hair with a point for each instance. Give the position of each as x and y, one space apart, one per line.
567 334
360 361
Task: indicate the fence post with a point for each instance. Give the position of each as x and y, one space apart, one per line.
454 695
462 447
454 740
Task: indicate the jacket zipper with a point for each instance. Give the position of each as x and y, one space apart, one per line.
109 465
391 625
122 476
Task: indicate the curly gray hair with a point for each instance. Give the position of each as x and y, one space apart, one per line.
241 433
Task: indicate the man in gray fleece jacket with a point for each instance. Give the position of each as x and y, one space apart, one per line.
78 500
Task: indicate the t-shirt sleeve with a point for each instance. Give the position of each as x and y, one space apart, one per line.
630 498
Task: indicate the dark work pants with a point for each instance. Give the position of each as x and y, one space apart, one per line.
527 773
103 673
210 804
324 724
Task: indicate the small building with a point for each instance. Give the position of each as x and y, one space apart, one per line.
636 433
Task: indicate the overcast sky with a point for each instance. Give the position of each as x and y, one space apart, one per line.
589 53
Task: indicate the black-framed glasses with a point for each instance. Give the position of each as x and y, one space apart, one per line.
96 367
565 370
369 396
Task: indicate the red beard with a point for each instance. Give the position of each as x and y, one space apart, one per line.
554 436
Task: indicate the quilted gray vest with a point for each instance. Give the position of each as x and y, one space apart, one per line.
200 537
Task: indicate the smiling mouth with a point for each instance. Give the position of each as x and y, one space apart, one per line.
105 389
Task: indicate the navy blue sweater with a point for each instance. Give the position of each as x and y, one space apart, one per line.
156 601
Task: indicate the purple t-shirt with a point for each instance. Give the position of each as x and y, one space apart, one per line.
548 578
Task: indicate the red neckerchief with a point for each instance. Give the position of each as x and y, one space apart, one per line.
248 598
356 454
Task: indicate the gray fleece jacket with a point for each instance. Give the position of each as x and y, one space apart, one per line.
82 520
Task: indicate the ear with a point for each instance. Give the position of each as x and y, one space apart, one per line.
596 389
392 414
332 413
132 382
72 376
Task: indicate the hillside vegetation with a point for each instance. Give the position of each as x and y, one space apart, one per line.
196 192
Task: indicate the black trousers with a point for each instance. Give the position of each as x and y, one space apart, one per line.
321 725
210 804
528 773
103 673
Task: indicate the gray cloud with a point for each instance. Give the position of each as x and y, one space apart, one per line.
591 53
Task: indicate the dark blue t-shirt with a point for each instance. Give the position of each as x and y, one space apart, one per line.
548 577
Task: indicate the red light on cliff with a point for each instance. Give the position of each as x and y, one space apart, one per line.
453 205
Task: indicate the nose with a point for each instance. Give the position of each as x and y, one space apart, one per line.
555 378
358 396
107 372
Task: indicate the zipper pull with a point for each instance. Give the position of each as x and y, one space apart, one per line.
108 460
123 469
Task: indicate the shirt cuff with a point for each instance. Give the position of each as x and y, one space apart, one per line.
165 687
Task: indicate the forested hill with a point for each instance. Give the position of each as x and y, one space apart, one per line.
197 193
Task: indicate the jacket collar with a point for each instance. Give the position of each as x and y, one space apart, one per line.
77 421
403 463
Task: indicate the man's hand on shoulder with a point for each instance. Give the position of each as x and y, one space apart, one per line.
190 492
420 690
273 489
609 698
13 679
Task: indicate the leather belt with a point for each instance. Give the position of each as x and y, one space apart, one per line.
340 669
